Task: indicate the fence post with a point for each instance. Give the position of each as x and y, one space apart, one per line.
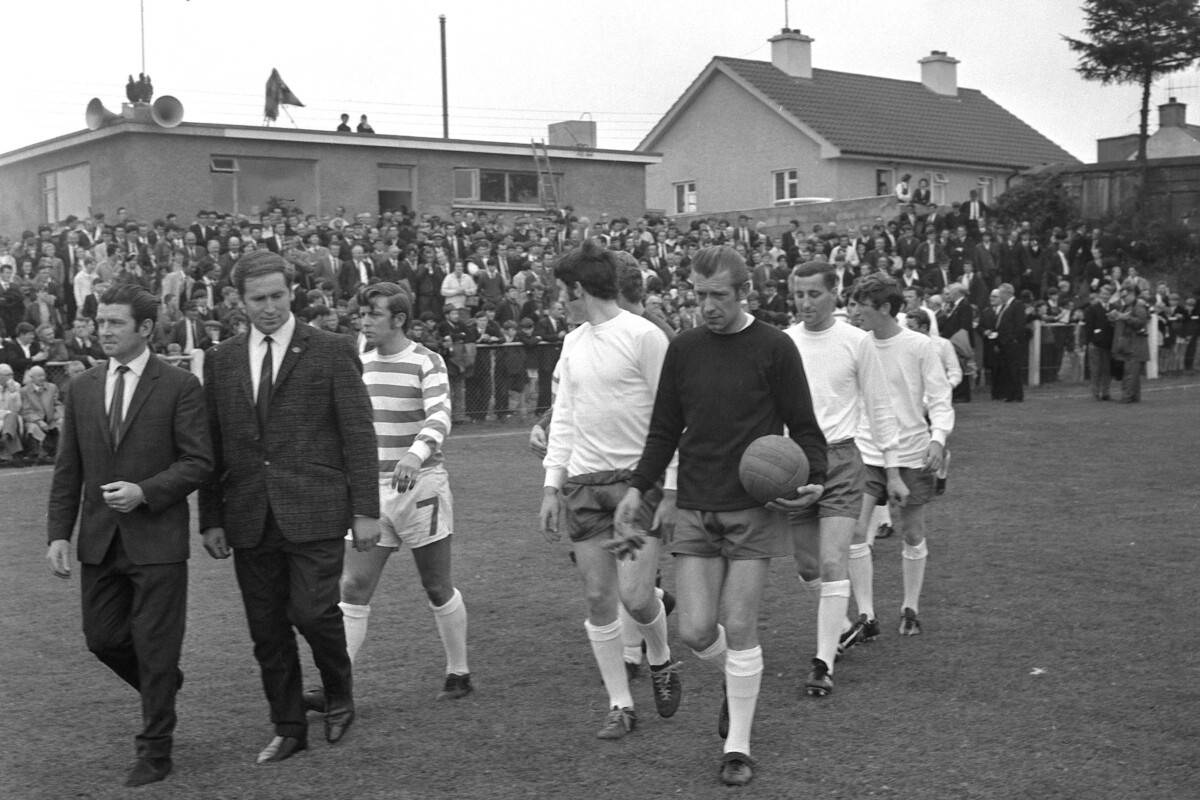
1152 339
196 363
1035 355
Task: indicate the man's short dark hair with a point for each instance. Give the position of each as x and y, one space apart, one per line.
630 283
142 305
592 267
398 299
810 268
879 290
713 260
24 328
258 264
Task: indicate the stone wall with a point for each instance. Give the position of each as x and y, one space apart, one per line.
846 213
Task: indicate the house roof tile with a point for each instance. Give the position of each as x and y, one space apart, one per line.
885 117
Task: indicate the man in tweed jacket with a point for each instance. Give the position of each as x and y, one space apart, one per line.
295 468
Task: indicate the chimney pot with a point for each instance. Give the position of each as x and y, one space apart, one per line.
791 51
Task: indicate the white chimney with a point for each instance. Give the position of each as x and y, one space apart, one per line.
791 51
1172 114
939 73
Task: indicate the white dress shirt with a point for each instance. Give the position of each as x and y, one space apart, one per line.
136 367
280 340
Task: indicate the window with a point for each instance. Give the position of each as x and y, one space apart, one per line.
500 187
222 164
685 198
987 189
241 183
395 187
885 180
65 192
937 187
787 185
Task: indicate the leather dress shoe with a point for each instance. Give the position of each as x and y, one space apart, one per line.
148 770
314 700
280 748
337 721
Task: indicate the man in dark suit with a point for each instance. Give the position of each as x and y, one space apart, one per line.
134 445
1008 341
189 332
973 212
294 445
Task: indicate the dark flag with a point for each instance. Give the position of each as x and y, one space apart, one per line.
278 94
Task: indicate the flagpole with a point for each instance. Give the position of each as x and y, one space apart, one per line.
142 5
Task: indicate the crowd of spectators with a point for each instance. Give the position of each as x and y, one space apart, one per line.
481 281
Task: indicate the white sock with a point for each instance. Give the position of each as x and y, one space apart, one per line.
715 652
354 620
606 647
831 615
631 637
945 469
862 579
451 622
658 652
743 676
912 563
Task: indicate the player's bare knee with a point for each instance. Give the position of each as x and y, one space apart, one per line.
438 591
355 589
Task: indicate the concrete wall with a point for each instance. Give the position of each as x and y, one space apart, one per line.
777 219
152 171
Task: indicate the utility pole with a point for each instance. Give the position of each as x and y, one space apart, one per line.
445 92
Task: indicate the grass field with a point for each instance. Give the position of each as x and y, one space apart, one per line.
1058 660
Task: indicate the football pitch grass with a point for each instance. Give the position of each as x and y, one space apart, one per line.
1059 655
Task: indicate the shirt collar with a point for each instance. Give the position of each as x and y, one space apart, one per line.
137 366
281 337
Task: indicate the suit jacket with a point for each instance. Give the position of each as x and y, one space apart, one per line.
315 465
200 339
349 279
165 449
957 318
1010 324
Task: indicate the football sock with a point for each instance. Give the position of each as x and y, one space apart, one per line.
912 563
862 578
831 615
606 647
743 676
945 470
658 652
451 622
631 637
715 652
354 620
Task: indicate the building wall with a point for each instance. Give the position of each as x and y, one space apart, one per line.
730 144
152 171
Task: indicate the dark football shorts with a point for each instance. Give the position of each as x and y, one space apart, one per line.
591 499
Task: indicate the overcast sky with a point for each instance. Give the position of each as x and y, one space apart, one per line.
516 65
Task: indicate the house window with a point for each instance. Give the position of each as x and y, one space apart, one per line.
937 188
395 187
499 187
240 183
987 189
884 181
787 185
685 198
66 192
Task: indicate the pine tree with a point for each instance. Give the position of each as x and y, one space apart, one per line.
1137 41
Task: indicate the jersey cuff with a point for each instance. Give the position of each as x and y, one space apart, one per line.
420 449
939 437
555 477
671 479
891 459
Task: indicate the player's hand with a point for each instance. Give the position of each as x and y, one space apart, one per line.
215 544
366 533
59 558
897 489
122 496
626 542
805 496
935 456
404 476
626 511
550 514
537 441
664 516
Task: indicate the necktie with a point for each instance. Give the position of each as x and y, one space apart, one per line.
117 407
266 376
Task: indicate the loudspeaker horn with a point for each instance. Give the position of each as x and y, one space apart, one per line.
167 111
97 116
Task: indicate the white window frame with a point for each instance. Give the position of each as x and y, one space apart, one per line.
938 181
987 188
474 200
789 181
684 199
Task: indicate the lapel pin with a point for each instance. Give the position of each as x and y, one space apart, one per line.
295 349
